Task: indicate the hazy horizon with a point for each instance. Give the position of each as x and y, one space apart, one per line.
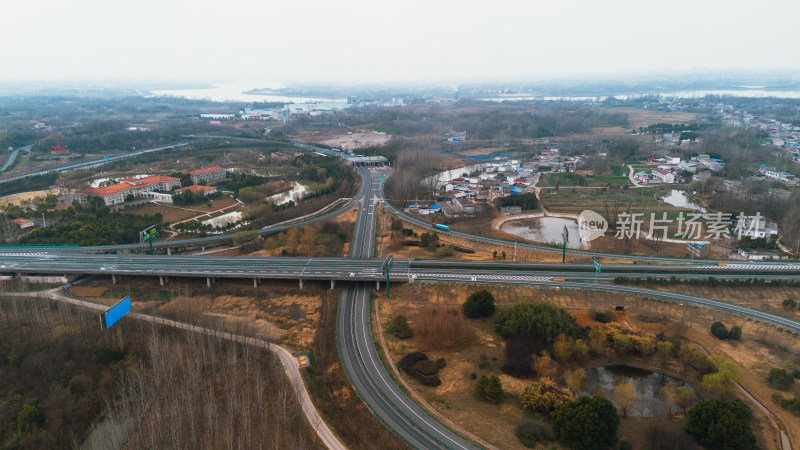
359 42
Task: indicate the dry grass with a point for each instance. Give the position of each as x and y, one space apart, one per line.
495 423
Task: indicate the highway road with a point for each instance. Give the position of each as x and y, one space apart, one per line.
92 163
359 356
13 156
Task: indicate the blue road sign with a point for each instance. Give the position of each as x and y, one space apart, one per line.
113 314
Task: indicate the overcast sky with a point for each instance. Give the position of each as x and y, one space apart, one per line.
375 41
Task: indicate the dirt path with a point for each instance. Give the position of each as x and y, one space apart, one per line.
786 444
290 363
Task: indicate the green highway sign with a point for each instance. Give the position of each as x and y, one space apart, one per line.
387 265
148 233
597 265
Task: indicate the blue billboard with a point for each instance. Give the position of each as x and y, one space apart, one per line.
113 314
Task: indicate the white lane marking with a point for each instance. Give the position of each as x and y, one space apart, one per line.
753 266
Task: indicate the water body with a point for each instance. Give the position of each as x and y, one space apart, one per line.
647 384
546 230
225 219
295 194
679 199
757 93
234 92
447 175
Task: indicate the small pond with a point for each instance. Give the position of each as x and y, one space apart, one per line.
678 198
225 219
546 230
295 193
648 384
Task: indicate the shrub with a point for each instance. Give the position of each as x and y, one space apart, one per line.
444 252
719 330
544 396
28 416
780 378
604 316
588 423
530 432
427 367
718 424
408 364
489 388
441 363
541 321
473 376
398 326
735 333
796 374
479 304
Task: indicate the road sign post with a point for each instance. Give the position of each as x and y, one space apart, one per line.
148 234
113 314
387 267
693 250
597 268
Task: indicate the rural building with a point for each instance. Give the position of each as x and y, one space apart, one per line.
752 230
209 175
663 176
23 223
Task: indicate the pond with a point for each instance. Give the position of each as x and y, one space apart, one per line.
295 193
225 219
678 198
447 175
647 384
546 230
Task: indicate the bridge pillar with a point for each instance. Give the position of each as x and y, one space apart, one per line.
377 285
208 281
202 248
169 252
113 279
301 283
333 284
161 279
255 282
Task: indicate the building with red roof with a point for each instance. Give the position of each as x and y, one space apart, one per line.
138 187
205 190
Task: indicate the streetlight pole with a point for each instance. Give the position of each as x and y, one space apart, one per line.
44 222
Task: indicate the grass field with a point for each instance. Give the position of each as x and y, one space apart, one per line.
565 179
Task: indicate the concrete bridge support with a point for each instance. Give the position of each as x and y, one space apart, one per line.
255 282
113 279
208 281
169 252
161 279
377 285
301 283
333 284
